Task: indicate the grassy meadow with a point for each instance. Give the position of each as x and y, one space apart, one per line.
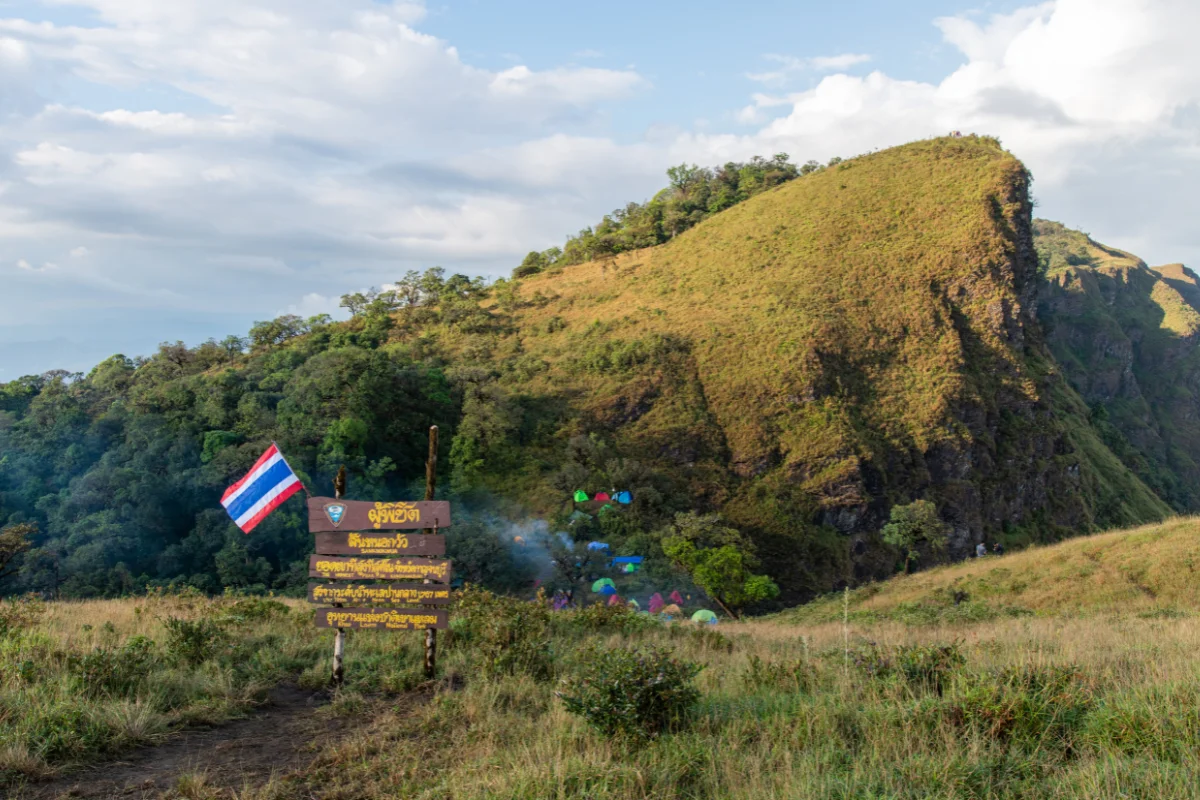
1070 671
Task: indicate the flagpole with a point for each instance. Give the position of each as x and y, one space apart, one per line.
283 458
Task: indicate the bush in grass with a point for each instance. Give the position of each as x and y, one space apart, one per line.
503 635
632 693
114 671
930 666
250 608
193 642
1030 705
602 617
795 675
704 637
19 613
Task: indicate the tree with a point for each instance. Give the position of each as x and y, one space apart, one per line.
15 541
719 560
914 525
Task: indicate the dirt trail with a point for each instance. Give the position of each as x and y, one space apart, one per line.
279 739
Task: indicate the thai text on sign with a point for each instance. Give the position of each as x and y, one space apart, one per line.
380 544
329 514
383 569
386 619
369 594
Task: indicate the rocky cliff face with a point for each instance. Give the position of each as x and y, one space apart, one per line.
1126 336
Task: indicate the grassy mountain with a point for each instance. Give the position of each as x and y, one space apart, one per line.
1149 570
853 339
848 341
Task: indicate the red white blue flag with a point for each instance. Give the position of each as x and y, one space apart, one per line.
264 488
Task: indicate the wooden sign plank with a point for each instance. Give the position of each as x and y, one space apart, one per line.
384 619
379 594
379 569
329 514
380 544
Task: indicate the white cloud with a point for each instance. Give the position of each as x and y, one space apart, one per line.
789 66
299 148
24 265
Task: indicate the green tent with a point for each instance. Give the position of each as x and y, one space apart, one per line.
599 585
580 496
631 567
704 615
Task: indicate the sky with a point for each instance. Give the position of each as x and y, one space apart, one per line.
177 169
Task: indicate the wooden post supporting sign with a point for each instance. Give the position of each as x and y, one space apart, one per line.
430 485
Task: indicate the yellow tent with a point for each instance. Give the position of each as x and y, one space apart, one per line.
671 609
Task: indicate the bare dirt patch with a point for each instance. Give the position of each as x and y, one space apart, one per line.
282 737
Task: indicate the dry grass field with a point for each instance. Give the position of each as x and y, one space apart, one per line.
1070 671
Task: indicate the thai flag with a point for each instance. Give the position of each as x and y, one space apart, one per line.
268 483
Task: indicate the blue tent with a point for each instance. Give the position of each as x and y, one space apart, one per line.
624 498
607 590
597 546
627 560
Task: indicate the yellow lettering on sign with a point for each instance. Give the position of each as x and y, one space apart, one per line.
384 568
398 618
333 593
397 542
393 514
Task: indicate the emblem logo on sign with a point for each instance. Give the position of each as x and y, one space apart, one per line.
335 512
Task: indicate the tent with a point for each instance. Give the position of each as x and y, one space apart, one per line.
603 583
519 540
627 560
597 546
656 603
624 498
631 568
615 600
671 609
676 597
704 615
580 496
602 497
608 590
577 516
634 605
607 507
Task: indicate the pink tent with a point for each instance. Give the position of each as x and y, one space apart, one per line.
615 600
656 603
676 597
602 497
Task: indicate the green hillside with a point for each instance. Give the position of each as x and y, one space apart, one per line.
1148 571
858 337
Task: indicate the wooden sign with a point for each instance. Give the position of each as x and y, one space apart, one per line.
383 619
328 514
379 569
381 594
380 544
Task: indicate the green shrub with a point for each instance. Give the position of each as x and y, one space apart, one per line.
61 732
795 675
114 671
616 619
193 642
632 693
503 635
1031 705
927 666
19 613
252 608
